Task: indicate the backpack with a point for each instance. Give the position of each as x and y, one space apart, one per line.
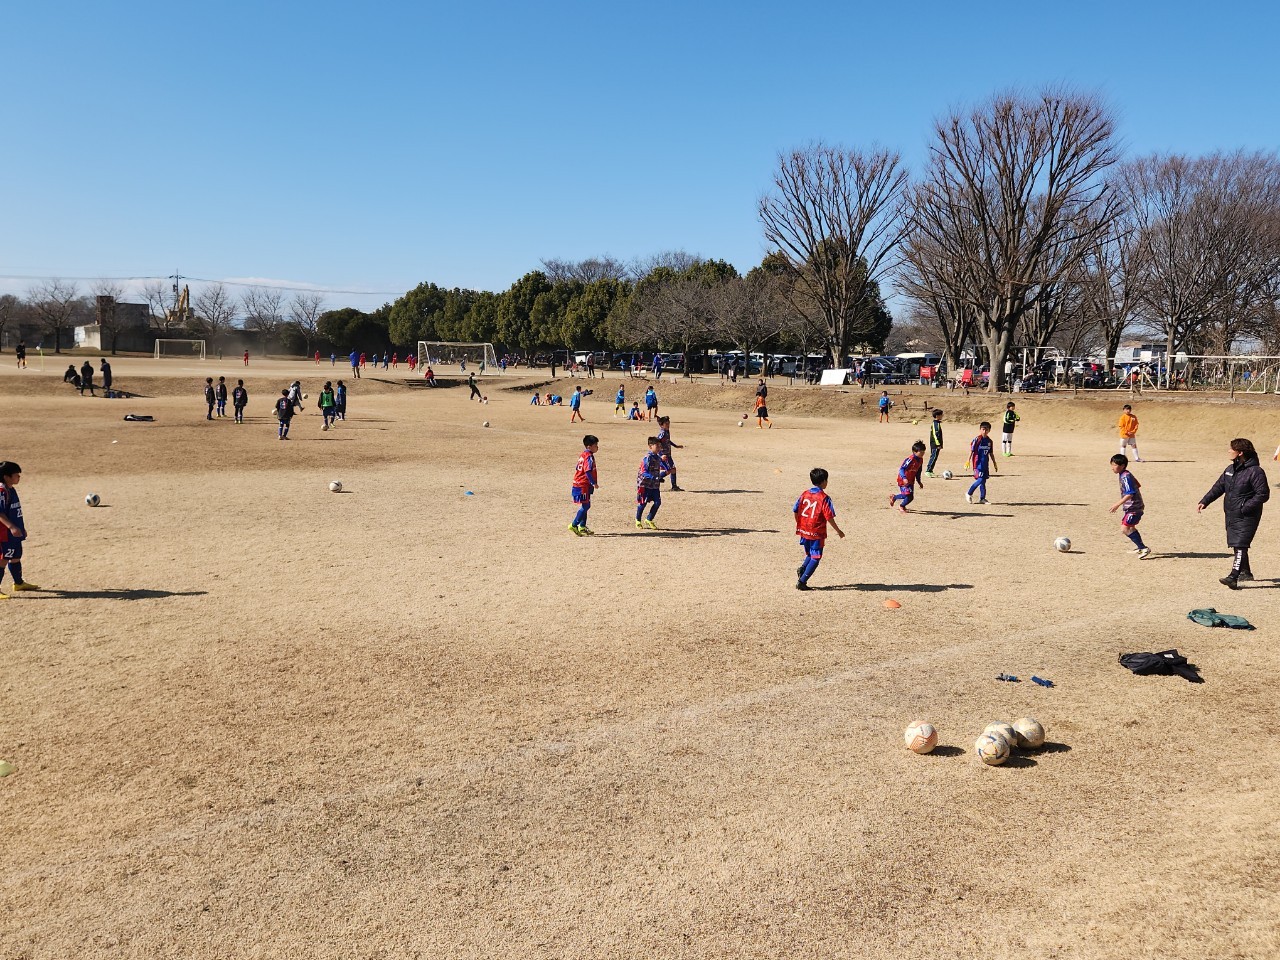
1209 617
1165 663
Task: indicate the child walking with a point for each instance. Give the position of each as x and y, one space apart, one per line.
982 458
666 443
575 405
1006 430
284 413
1128 426
328 406
908 477
620 402
13 528
935 443
885 404
649 485
813 510
1131 500
584 484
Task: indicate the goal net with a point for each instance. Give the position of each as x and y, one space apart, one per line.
479 357
184 349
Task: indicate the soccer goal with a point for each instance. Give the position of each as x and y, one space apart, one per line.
183 349
438 353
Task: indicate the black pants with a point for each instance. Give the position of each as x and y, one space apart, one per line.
933 457
1240 564
475 391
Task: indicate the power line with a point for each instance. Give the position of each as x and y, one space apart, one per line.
228 283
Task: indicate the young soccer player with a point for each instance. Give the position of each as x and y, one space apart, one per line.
620 401
635 413
1131 500
327 405
340 401
475 391
13 529
762 413
220 391
651 404
284 413
908 477
666 443
813 510
239 400
649 484
935 443
210 397
585 482
885 404
1011 419
1128 426
982 458
575 405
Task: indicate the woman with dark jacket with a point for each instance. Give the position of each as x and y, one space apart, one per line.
1243 488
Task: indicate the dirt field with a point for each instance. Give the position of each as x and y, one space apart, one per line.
251 718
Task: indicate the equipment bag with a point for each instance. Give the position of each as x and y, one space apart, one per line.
1209 617
1164 663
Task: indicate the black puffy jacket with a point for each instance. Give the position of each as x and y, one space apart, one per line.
1243 488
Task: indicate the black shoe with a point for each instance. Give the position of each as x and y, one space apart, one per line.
800 571
1244 576
1230 581
801 585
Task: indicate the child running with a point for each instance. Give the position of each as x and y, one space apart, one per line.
908 477
813 510
1006 429
649 485
13 529
1131 500
982 458
935 443
762 413
666 443
585 482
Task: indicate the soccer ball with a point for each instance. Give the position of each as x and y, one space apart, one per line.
1062 544
1030 733
304 396
991 750
93 500
915 423
947 475
484 399
998 728
921 737
335 486
486 423
743 420
325 427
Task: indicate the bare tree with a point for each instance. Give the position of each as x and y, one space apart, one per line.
677 261
11 311
54 302
748 312
161 304
837 216
1012 199
262 313
934 286
1109 284
215 310
585 271
669 314
304 313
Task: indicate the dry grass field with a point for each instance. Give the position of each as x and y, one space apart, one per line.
251 718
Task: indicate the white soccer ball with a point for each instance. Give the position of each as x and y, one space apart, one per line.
947 475
741 422
93 500
335 486
304 396
991 750
486 423
998 728
920 737
1030 733
1062 544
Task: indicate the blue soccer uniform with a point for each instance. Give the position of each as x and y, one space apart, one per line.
649 487
981 450
12 532
813 509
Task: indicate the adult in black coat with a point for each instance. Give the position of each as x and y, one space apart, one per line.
1243 488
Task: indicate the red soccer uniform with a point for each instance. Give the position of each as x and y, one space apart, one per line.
584 475
909 472
813 510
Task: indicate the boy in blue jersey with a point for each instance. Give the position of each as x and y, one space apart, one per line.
908 477
666 443
649 485
1131 500
585 482
340 401
813 510
620 402
12 527
651 404
575 405
982 459
284 413
885 405
935 442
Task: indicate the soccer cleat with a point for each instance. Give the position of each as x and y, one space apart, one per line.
575 530
1144 553
649 524
1244 575
983 501
801 585
1230 581
585 532
3 595
25 586
676 489
639 525
968 498
929 474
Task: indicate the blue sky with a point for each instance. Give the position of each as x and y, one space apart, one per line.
371 147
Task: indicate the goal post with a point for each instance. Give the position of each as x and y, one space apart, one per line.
182 349
442 353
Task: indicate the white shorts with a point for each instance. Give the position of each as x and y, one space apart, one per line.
1129 442
1006 438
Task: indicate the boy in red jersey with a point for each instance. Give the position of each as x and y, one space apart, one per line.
813 512
584 483
649 484
908 477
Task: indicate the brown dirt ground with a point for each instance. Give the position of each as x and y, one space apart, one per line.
251 718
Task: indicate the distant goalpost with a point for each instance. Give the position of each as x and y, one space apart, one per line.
480 356
183 349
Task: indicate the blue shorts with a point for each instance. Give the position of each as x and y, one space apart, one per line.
582 496
648 495
1131 519
812 548
11 550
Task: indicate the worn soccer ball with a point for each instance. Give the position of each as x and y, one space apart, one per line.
325 427
486 423
304 396
947 475
743 420
93 500
920 737
992 750
998 728
335 486
1030 733
1062 544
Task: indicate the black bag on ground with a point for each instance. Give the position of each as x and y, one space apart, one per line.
1165 663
